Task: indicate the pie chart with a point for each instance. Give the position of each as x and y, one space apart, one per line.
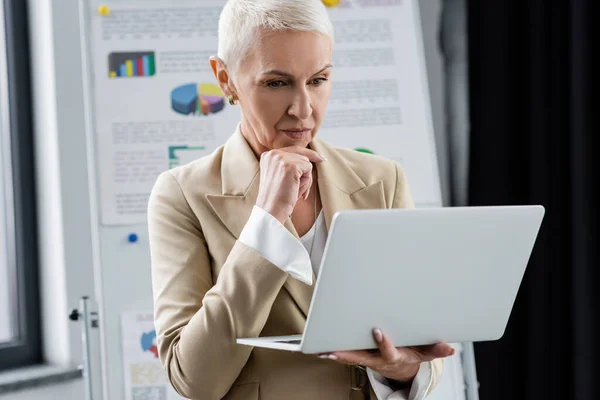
197 99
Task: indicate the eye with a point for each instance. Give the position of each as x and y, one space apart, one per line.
318 81
276 84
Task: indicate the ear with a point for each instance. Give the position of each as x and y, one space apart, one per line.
222 75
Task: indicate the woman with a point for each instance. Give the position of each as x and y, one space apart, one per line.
235 235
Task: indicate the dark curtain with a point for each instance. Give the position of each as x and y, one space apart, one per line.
533 142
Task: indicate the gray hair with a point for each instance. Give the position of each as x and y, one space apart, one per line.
240 20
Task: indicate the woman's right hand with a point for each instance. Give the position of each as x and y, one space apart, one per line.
285 177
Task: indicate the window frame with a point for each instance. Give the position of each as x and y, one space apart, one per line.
16 108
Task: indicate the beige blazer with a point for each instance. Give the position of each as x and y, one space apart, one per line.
210 289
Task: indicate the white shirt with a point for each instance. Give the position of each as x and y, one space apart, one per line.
315 244
267 236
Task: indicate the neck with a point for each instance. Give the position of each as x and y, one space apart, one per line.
250 136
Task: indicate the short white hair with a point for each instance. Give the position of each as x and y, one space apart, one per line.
241 19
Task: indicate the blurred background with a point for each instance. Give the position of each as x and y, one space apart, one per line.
510 91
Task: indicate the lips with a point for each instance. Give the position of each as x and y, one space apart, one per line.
294 130
296 133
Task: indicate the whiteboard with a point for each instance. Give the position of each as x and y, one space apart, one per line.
153 105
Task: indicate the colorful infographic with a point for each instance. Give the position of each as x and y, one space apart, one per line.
143 374
180 155
131 64
197 99
148 342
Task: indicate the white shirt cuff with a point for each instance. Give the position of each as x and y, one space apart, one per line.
420 386
264 234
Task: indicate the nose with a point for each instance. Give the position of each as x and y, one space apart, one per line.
301 105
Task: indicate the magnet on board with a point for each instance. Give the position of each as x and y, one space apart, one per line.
132 238
103 10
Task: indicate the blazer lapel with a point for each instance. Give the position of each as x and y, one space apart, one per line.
239 184
340 189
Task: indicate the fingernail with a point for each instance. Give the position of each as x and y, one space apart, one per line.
332 357
323 157
378 335
323 356
452 352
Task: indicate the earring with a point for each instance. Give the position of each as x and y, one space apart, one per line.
232 100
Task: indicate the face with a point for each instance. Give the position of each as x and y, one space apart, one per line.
283 87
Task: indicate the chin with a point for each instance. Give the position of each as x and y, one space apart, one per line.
287 143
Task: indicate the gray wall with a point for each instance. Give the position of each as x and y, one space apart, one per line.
430 18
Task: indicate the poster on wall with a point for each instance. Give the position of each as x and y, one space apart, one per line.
156 101
379 99
157 104
145 378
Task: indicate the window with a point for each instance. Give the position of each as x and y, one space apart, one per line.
6 233
19 297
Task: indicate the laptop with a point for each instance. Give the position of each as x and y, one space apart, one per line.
421 275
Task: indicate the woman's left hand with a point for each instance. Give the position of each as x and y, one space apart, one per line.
397 363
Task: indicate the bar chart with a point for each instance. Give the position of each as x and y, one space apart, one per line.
131 64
